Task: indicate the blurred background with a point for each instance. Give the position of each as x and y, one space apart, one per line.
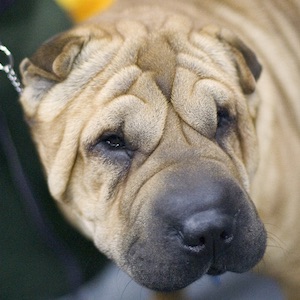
36 261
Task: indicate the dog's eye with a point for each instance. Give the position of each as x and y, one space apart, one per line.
225 122
114 141
114 147
223 117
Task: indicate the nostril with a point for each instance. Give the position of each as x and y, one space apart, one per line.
195 246
192 240
195 241
226 236
201 241
206 230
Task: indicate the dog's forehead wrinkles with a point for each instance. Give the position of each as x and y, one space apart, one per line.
163 52
158 57
180 69
151 52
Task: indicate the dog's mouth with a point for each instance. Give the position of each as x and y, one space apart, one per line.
208 228
216 271
175 268
171 270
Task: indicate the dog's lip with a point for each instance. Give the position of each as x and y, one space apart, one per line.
215 271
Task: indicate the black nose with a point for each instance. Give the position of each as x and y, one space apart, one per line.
210 230
200 221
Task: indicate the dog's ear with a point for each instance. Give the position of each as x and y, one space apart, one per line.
246 62
54 59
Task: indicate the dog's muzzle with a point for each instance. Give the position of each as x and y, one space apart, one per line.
202 222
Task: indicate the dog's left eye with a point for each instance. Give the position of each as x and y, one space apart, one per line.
223 117
225 122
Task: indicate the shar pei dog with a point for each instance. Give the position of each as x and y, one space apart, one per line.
169 132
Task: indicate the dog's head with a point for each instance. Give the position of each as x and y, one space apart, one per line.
148 144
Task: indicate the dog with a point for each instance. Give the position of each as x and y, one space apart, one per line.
169 132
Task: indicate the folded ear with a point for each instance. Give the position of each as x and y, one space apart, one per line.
54 59
246 62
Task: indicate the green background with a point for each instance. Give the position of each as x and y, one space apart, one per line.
29 269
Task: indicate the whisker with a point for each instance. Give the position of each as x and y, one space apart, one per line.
126 286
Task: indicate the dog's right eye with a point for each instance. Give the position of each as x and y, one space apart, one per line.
114 141
112 146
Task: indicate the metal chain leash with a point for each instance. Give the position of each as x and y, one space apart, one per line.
8 68
32 206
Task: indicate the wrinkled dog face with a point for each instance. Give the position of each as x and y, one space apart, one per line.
148 145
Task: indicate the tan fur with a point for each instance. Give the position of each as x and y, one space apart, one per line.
159 66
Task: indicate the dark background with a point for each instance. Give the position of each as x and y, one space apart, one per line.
33 263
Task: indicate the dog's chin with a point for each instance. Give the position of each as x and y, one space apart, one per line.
171 282
164 277
167 285
216 271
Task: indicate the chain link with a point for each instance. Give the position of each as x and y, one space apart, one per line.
9 69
